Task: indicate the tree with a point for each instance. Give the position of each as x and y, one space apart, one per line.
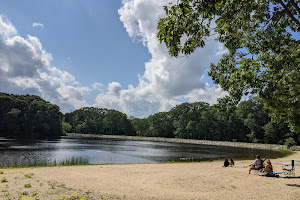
263 53
160 125
254 117
140 126
66 127
28 117
275 133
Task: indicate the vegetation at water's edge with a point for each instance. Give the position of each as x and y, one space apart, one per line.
43 163
249 122
31 117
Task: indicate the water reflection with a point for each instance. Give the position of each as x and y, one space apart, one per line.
99 151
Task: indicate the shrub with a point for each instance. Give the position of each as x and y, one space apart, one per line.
290 142
3 180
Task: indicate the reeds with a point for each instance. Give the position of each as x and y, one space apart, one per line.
43 163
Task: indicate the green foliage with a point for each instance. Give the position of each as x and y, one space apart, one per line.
248 122
28 175
140 126
52 185
41 163
74 161
28 185
26 198
263 53
3 180
98 121
290 142
66 127
28 117
24 193
72 197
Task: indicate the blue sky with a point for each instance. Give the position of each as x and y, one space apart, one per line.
99 53
81 35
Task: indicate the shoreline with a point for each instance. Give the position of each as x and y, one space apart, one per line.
188 141
169 181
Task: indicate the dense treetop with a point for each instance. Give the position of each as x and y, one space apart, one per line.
28 117
248 123
99 121
262 38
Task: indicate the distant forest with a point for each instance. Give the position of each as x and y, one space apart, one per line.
31 117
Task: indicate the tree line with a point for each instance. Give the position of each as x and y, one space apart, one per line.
248 122
97 121
29 117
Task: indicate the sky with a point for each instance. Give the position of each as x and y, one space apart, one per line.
99 53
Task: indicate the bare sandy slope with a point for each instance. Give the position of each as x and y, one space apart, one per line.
151 181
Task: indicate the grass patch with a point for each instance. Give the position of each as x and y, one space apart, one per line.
74 161
4 180
188 161
286 152
24 193
26 198
27 185
44 163
28 175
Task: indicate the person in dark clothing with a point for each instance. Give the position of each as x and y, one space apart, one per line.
226 163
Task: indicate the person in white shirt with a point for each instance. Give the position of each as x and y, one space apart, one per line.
257 164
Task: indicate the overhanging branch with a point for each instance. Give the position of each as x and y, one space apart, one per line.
288 12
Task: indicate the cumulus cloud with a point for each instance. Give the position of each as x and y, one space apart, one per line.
37 25
6 28
98 87
114 88
25 68
166 80
208 94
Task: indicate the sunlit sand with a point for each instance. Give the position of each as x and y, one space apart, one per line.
205 180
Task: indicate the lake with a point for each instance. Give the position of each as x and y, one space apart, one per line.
112 151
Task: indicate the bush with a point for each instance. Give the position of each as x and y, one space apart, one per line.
290 142
3 180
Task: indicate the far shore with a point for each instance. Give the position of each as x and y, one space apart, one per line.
188 141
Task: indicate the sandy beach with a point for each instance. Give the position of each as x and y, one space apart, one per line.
204 180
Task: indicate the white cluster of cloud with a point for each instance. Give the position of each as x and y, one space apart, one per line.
35 24
165 79
25 67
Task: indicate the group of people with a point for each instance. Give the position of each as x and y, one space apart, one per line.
262 164
228 164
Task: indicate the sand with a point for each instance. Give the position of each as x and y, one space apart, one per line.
204 180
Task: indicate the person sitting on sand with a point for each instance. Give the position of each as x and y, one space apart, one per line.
256 165
231 163
269 169
226 163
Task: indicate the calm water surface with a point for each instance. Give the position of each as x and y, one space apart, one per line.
102 151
